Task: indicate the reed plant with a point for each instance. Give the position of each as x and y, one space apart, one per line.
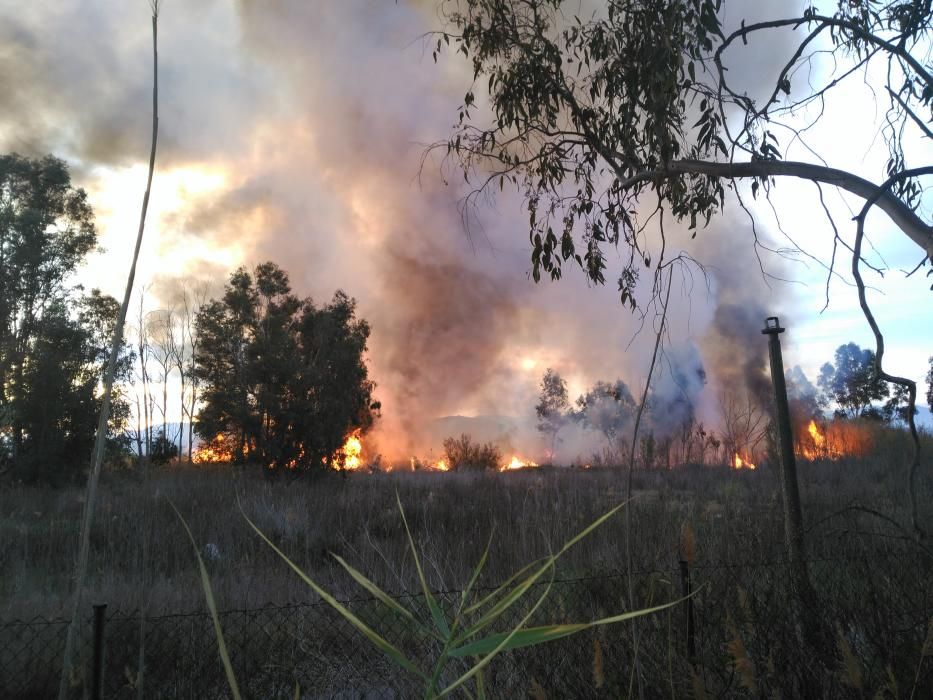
472 632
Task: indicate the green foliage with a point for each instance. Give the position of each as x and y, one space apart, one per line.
464 633
587 111
283 379
852 382
162 449
464 454
54 340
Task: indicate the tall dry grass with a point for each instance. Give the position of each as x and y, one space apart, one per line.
735 516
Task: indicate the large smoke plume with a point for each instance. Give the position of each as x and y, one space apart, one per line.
316 114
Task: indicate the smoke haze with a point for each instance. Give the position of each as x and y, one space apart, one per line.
294 132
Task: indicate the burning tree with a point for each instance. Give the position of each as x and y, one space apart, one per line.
284 381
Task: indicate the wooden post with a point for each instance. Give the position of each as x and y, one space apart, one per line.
97 671
804 597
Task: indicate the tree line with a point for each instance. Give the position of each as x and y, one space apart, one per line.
847 388
281 379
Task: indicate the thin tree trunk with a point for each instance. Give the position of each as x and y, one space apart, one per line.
139 431
101 440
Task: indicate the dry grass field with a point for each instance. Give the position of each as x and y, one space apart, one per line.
873 582
736 515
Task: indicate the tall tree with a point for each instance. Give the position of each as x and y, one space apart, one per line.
285 379
50 330
56 414
553 408
852 382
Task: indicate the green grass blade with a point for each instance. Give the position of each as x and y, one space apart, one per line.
521 638
516 593
547 633
475 576
503 586
587 530
375 591
512 597
436 615
212 606
384 646
486 660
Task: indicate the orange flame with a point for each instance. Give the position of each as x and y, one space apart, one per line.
834 440
441 465
217 450
348 456
517 463
818 439
740 463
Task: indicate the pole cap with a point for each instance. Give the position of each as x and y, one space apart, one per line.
772 326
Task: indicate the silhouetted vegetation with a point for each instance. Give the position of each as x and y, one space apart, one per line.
54 337
462 454
284 379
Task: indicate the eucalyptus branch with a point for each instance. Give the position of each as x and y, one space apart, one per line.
909 384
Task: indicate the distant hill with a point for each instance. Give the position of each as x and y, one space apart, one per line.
481 428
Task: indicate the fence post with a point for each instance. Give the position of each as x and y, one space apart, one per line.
97 671
686 590
804 598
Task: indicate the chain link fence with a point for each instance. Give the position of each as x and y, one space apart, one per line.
737 636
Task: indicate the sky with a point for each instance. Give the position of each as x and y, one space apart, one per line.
294 131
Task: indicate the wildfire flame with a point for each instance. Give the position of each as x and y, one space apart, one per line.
217 450
818 439
739 463
518 463
834 440
441 465
349 455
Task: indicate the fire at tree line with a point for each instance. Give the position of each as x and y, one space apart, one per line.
269 378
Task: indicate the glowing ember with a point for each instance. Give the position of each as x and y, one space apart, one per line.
740 463
518 463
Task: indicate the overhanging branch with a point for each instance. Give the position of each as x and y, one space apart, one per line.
903 216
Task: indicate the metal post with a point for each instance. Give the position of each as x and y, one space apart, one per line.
793 518
686 591
97 672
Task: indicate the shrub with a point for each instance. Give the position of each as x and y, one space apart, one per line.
465 454
163 450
